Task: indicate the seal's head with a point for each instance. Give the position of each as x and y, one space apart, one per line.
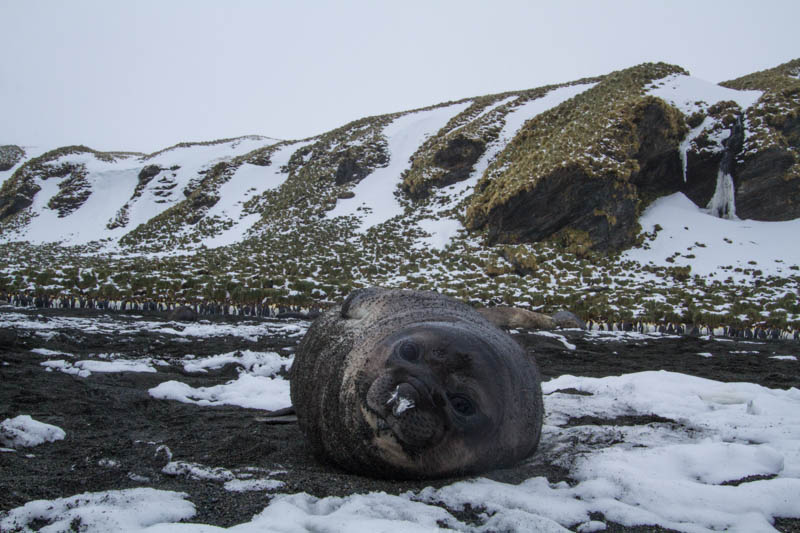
413 384
439 399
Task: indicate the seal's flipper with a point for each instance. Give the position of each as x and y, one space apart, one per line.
279 416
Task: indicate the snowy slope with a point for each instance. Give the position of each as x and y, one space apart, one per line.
690 94
714 242
167 187
247 182
111 185
377 191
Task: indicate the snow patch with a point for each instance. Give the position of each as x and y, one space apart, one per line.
85 368
440 231
256 392
560 338
690 94
45 351
197 471
256 363
23 431
129 510
249 485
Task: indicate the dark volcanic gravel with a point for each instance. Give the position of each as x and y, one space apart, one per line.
119 437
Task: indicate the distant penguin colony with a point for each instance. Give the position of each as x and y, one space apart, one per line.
265 309
262 309
760 331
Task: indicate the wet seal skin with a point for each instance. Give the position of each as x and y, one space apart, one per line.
412 384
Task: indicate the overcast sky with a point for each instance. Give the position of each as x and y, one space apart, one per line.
141 75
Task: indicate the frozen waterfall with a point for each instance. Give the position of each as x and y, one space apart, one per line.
723 203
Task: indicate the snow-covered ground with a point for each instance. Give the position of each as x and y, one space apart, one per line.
683 473
714 242
658 448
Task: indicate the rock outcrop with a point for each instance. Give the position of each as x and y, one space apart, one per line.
767 173
543 186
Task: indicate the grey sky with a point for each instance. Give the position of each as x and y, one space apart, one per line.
142 75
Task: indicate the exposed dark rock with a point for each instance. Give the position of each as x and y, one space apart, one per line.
733 145
604 208
199 202
261 160
764 189
701 174
457 158
202 199
148 173
22 198
10 155
73 192
349 171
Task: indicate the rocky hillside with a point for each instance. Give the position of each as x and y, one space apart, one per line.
526 196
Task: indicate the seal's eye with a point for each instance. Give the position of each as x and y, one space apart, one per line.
462 404
409 351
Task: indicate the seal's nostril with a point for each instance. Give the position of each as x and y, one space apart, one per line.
438 399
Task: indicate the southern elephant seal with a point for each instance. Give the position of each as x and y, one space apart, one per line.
409 384
504 316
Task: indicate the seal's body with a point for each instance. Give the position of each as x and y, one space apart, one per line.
414 384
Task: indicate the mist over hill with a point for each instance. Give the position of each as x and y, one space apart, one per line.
641 193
